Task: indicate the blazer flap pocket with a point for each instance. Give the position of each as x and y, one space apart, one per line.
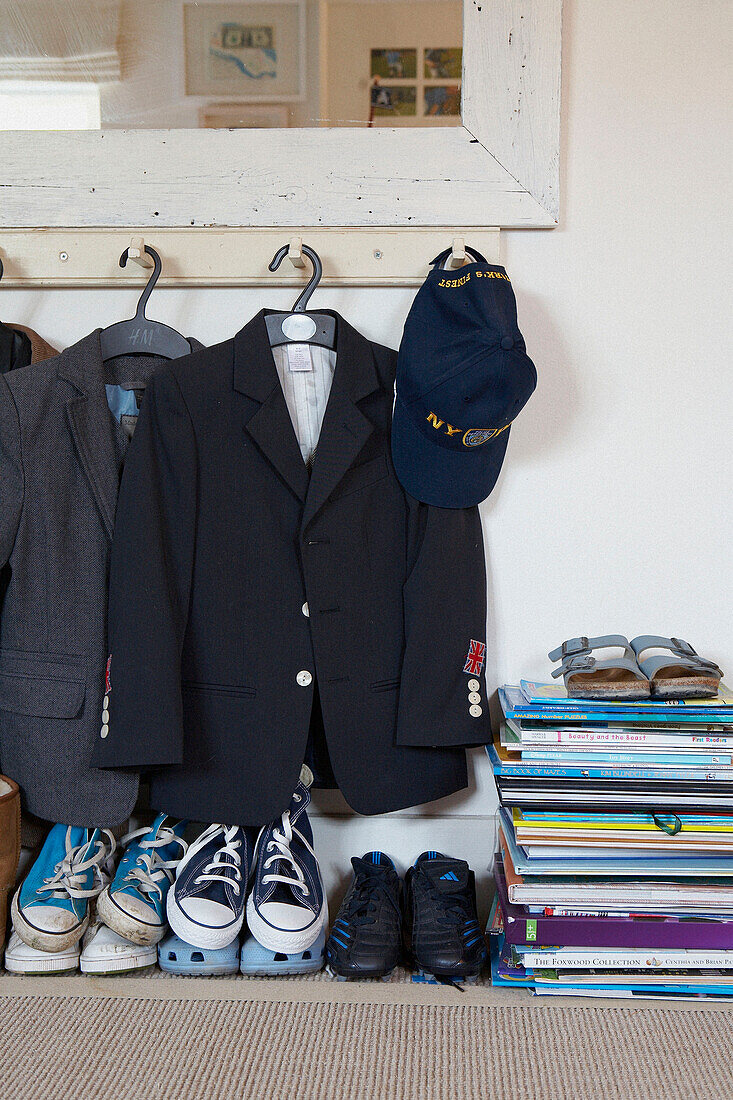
358 477
233 690
41 696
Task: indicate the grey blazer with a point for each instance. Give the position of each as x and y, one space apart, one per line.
61 456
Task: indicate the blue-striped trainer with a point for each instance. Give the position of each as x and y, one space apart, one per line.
365 938
442 933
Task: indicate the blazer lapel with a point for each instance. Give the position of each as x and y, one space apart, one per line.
269 425
345 429
89 423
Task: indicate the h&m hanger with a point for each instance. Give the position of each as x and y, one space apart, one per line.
139 335
299 326
16 349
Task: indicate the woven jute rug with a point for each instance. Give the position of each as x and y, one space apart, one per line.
225 1039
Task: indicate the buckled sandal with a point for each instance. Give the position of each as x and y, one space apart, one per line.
618 678
680 673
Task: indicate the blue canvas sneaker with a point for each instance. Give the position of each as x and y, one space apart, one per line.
206 904
51 908
287 910
133 905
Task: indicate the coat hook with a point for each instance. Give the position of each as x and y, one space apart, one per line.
137 252
458 252
295 252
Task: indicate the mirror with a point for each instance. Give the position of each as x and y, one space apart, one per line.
167 64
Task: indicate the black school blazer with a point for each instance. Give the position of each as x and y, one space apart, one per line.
238 582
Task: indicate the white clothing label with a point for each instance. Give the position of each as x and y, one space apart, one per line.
299 357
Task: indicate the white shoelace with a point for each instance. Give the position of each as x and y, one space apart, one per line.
69 878
280 846
229 874
149 869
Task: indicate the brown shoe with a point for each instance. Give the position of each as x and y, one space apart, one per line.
9 845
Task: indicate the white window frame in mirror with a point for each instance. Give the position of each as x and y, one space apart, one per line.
499 168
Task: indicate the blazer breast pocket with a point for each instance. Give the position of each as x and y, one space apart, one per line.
358 477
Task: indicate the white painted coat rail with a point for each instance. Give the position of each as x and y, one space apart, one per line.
370 256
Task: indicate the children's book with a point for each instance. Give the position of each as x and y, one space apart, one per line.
622 959
648 931
518 734
671 865
504 764
631 822
515 705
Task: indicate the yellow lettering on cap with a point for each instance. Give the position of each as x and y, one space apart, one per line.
451 430
432 419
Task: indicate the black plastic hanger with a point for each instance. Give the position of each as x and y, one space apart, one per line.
139 335
299 326
15 347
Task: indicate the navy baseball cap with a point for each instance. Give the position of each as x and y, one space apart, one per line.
463 375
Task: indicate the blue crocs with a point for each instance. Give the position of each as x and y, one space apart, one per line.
175 956
133 905
258 960
51 908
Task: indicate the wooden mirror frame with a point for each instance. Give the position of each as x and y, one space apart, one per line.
500 168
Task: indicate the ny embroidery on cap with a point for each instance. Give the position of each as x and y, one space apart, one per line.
475 658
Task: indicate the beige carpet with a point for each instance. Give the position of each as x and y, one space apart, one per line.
146 1048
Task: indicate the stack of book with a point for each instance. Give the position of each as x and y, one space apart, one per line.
615 870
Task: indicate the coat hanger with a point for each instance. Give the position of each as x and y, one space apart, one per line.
139 335
298 326
15 347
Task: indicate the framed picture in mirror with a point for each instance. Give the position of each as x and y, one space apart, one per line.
249 50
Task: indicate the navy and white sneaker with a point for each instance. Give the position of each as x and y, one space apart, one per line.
441 929
366 938
287 908
205 905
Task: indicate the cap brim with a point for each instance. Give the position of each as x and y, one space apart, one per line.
440 476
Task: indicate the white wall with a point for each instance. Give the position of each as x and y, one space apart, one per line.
613 512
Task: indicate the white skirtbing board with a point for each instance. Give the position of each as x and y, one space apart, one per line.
333 177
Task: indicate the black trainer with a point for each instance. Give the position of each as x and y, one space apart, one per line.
365 938
442 934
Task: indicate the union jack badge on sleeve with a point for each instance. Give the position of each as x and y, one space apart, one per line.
475 658
108 676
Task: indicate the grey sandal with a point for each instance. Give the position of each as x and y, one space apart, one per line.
683 675
618 678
